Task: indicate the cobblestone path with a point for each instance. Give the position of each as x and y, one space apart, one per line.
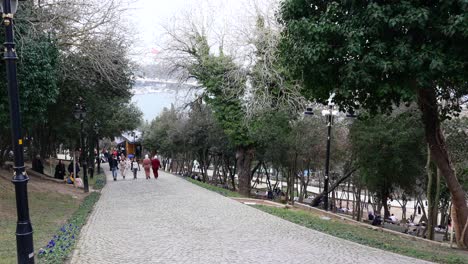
170 220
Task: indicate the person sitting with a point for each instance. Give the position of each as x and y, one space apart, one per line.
370 216
393 219
377 220
79 182
70 168
37 165
70 179
60 171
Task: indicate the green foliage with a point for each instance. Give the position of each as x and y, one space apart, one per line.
271 130
224 85
456 132
365 236
377 54
37 76
389 151
162 134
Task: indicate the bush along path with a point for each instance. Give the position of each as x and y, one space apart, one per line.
61 245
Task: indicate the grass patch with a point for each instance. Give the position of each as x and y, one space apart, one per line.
61 245
53 207
48 211
369 237
222 191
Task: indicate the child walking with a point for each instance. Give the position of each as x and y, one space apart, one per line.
134 166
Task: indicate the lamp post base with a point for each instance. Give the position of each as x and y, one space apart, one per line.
24 231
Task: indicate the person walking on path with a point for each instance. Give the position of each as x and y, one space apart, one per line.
114 166
123 165
155 163
147 166
134 167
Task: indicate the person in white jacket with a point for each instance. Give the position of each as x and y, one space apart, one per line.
123 165
134 167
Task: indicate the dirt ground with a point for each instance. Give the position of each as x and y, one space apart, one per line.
37 184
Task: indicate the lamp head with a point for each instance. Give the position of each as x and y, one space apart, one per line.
80 110
309 111
352 114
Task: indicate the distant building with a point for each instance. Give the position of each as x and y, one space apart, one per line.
129 143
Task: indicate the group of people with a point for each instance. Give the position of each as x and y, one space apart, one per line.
124 163
71 178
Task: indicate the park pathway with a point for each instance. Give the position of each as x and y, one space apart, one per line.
170 220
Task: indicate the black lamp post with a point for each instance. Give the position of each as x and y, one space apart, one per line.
80 114
24 232
329 113
96 130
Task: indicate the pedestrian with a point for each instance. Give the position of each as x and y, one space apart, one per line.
147 166
134 166
60 170
123 165
114 166
155 163
37 165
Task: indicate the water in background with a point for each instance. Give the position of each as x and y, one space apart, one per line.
152 104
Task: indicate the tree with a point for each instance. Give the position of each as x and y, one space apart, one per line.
38 76
375 55
389 152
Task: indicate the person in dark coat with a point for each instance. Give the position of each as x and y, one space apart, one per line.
70 168
60 171
114 166
155 164
37 165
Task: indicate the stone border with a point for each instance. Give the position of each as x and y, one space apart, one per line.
403 235
335 216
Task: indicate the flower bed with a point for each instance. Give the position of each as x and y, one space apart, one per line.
62 244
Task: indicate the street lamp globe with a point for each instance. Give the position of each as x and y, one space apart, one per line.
80 110
309 111
13 6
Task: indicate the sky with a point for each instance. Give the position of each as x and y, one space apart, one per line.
147 17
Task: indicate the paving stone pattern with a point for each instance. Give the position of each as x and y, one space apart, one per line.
170 220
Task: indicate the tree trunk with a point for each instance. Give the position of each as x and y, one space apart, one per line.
385 206
316 200
433 192
428 104
358 208
244 157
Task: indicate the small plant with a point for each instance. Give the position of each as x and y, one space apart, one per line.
60 245
100 182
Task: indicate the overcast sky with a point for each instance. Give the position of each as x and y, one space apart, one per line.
148 16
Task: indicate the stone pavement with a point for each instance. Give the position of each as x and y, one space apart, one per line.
170 220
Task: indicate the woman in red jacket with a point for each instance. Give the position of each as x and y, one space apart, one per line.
147 166
155 163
